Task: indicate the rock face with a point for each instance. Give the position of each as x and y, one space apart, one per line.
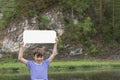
10 41
11 36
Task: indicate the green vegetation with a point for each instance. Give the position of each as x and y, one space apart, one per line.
97 20
43 22
61 67
7 8
9 65
67 64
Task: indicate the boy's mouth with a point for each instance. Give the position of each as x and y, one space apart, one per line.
38 60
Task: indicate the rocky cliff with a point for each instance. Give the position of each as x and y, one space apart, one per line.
13 34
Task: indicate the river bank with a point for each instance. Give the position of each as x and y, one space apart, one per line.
58 67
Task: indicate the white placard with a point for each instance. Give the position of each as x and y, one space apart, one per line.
39 36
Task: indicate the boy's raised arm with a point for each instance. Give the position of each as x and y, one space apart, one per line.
20 55
54 52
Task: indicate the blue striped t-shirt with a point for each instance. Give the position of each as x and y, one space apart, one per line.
38 71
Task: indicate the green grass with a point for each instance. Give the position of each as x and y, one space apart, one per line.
67 64
83 71
85 64
11 65
63 72
62 67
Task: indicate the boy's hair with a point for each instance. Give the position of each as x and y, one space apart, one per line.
39 52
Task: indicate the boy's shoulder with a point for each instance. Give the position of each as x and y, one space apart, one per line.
46 60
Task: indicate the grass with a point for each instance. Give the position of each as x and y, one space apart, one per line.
62 72
62 67
66 64
86 64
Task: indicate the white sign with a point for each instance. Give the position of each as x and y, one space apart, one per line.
39 36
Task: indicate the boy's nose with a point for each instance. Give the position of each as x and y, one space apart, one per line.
39 58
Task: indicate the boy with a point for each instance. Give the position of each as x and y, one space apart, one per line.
38 67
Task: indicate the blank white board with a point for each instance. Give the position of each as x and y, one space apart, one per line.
39 36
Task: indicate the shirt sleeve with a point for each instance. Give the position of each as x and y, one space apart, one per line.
47 62
29 64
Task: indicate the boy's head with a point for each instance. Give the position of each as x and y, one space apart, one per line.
38 54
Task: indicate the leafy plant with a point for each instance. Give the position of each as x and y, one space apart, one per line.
93 49
44 21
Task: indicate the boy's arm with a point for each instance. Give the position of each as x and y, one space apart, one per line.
54 52
20 55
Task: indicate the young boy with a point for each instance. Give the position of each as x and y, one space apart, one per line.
38 67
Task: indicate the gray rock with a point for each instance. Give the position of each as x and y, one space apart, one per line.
1 55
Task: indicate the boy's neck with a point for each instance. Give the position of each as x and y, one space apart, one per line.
38 62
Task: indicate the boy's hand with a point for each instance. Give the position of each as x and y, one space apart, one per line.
22 44
56 40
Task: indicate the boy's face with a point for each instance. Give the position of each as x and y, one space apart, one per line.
38 59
